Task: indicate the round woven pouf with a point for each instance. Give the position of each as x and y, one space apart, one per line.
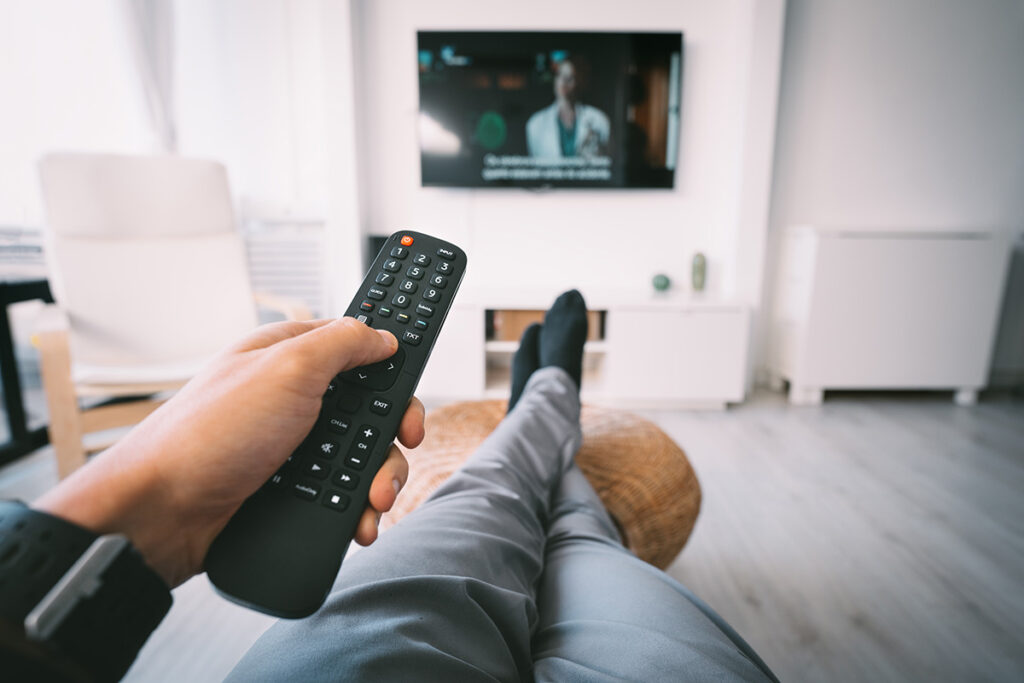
641 475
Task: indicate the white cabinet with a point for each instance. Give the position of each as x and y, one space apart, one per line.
657 352
859 309
677 354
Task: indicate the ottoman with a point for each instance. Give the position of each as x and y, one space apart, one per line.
641 475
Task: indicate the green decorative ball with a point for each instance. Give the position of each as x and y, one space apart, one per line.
661 282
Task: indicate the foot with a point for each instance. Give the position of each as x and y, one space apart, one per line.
526 360
564 333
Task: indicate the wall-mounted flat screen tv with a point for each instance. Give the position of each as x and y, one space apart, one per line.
539 109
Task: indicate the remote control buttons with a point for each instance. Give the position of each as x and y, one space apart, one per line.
412 338
365 319
384 312
348 403
377 376
357 460
415 272
345 480
443 267
360 450
421 260
424 310
446 253
336 500
402 318
326 449
421 325
316 470
376 293
306 491
406 240
400 252
277 482
366 306
407 286
392 266
380 406
385 279
432 295
338 425
438 281
401 300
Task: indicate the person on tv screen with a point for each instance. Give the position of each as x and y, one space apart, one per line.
567 127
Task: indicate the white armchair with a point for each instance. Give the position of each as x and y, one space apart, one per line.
149 274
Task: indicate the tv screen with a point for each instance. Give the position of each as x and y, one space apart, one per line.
549 109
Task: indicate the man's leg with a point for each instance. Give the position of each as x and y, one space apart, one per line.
449 593
605 614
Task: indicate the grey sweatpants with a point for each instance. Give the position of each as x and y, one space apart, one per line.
511 571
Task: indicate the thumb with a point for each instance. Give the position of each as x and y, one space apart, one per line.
340 345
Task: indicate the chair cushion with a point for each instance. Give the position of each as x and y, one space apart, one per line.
150 302
180 371
641 475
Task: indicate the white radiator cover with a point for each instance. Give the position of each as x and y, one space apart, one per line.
913 309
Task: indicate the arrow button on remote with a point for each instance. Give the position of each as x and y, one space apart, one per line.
377 376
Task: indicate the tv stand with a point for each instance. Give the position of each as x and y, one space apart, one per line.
657 351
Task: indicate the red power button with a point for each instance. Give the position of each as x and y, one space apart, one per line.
406 240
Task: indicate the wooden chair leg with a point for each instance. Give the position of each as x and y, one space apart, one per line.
117 415
65 417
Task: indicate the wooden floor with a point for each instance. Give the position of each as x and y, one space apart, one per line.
875 538
870 539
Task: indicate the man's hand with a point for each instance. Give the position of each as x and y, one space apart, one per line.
175 480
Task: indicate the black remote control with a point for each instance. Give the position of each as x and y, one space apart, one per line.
281 551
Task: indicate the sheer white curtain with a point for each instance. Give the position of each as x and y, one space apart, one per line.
151 28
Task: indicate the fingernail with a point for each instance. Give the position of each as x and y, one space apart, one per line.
396 485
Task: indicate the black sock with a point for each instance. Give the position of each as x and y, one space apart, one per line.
526 360
564 333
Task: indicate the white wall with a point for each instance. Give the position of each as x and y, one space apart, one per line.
249 89
901 113
249 92
557 239
69 84
266 87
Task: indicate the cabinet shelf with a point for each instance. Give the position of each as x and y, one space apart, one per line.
600 346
